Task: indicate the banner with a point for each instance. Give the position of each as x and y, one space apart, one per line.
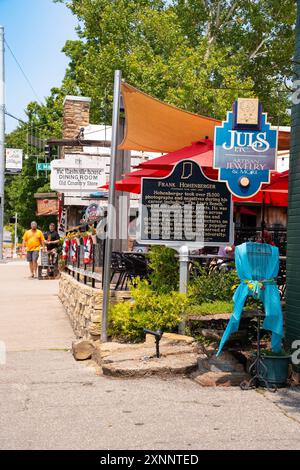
14 160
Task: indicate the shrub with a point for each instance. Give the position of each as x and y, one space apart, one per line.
210 308
164 265
215 286
148 309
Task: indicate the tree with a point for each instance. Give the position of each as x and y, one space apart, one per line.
43 121
197 54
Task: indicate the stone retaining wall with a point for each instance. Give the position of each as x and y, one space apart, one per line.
83 305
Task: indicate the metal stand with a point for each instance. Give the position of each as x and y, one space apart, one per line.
258 368
157 335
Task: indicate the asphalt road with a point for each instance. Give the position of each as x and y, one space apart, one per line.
50 401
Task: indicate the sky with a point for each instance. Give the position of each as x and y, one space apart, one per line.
36 31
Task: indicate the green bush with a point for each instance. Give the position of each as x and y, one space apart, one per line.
148 309
210 308
164 265
216 286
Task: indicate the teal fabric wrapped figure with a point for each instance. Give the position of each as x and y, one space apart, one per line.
257 265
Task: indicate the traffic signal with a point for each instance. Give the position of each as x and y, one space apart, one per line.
47 151
12 220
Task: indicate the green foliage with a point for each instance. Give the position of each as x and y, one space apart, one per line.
210 308
269 353
44 121
148 309
215 286
198 55
164 266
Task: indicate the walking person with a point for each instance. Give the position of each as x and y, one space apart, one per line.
52 241
33 240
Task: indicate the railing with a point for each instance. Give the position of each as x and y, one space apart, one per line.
127 266
124 267
87 272
217 264
278 236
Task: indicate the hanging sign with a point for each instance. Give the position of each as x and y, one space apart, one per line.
14 160
93 213
80 174
47 207
245 148
185 208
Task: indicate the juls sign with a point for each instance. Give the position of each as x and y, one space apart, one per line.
245 152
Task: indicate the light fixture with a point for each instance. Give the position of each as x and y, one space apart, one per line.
244 182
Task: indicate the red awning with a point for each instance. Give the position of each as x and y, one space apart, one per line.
246 211
275 193
201 152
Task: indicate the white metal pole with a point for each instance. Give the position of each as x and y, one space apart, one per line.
110 227
16 236
2 137
183 277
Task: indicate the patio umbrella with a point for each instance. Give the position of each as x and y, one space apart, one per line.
200 152
275 193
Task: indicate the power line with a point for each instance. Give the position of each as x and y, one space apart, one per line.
22 71
28 124
94 132
14 117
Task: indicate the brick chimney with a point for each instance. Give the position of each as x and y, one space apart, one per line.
76 115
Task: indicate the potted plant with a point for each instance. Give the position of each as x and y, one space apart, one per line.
61 265
276 367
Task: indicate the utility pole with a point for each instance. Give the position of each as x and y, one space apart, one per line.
293 228
2 137
111 216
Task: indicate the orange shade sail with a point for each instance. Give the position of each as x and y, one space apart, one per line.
155 126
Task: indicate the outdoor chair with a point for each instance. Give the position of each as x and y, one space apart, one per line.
118 267
130 272
140 265
281 280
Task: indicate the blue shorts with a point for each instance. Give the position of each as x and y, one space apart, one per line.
32 256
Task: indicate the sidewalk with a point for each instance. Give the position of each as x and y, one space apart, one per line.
31 316
50 401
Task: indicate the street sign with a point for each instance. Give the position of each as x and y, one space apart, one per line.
43 166
185 208
244 153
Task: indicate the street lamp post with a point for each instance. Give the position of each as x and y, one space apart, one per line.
111 205
2 138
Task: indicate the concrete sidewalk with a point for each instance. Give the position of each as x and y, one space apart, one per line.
49 401
31 316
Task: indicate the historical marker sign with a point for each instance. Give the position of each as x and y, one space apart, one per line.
185 208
